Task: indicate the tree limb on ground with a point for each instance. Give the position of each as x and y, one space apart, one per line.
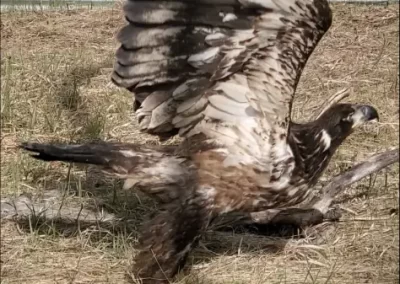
356 173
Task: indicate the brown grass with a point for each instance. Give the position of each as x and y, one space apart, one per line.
55 69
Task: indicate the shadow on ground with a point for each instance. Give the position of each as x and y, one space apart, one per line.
98 203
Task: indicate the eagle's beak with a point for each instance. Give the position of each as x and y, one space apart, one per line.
364 113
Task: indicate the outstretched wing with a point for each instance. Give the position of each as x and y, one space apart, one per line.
225 68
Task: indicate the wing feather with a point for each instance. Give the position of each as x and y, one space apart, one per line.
225 68
163 12
227 105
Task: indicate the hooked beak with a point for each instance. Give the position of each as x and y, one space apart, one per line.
363 114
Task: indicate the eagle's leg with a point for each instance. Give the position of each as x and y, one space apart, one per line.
297 217
166 240
334 213
287 222
300 217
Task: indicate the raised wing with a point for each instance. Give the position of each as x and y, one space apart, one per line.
224 68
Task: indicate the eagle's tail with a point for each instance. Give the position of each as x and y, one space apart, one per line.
151 166
96 154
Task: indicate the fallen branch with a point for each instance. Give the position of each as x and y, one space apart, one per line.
50 208
356 173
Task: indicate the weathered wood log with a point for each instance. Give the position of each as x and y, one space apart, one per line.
339 183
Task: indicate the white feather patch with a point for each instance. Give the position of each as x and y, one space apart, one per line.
358 118
129 183
326 139
227 105
128 153
234 91
208 192
229 17
216 37
202 58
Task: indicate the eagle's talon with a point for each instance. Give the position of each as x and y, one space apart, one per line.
334 213
319 234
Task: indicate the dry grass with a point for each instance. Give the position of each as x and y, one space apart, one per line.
55 71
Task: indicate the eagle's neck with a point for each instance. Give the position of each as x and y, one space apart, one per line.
313 148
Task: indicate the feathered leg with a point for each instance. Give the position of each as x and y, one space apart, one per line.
166 240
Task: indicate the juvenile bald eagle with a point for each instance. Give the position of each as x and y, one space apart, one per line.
223 74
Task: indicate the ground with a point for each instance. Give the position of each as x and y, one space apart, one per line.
55 69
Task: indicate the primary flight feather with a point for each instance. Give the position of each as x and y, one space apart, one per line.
223 75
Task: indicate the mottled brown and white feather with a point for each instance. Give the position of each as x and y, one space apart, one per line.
222 74
227 69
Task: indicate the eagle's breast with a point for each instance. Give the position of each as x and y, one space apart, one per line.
247 187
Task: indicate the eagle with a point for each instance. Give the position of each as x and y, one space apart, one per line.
221 74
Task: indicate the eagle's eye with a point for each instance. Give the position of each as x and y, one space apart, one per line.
348 117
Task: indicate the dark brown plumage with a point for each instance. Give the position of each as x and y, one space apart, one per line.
223 74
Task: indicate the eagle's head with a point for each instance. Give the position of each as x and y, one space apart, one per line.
316 142
340 120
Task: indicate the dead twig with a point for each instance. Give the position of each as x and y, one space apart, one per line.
334 99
